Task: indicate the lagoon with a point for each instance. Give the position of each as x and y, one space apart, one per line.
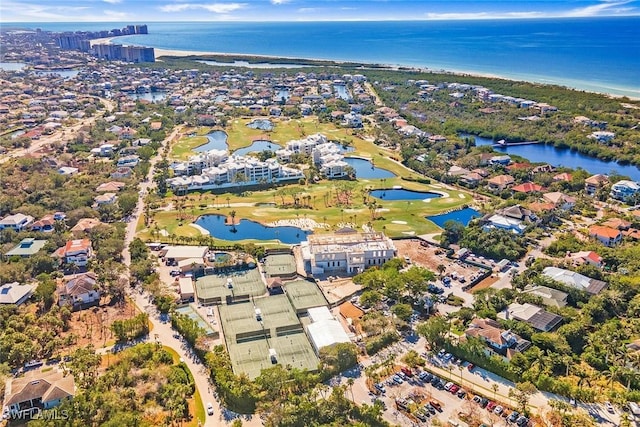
256 147
217 141
12 66
563 157
402 194
248 229
463 216
366 170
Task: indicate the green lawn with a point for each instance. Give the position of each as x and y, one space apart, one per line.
395 218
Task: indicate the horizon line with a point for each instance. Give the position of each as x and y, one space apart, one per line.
427 19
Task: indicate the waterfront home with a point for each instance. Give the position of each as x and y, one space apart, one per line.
499 341
575 280
500 160
500 182
16 222
79 292
536 317
594 182
602 136
15 293
27 247
606 235
77 252
624 190
29 395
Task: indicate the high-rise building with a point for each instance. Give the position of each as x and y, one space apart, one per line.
141 29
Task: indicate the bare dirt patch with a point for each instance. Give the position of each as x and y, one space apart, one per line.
93 325
484 284
430 257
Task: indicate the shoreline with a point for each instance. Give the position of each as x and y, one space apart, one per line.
162 52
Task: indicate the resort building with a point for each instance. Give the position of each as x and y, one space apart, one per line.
17 222
348 252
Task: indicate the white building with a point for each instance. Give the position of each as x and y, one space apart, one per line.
575 280
348 252
325 330
17 222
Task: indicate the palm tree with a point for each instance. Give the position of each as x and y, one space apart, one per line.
494 387
233 220
228 199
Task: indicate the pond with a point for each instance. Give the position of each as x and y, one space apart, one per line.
402 194
563 157
217 141
65 74
262 124
12 66
342 92
463 216
247 229
257 146
366 170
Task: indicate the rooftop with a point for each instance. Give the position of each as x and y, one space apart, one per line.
27 247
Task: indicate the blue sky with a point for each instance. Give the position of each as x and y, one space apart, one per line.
138 11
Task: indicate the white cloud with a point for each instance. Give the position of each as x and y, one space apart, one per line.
606 8
116 16
20 11
308 10
280 1
112 1
211 7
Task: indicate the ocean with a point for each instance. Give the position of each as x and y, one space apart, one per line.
592 54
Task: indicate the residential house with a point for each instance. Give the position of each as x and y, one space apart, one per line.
500 182
111 187
79 292
68 170
536 317
471 179
85 225
499 341
606 235
560 200
29 395
77 252
550 297
618 223
122 172
15 293
624 190
128 161
585 257
27 247
46 224
528 187
105 199
564 176
602 136
457 171
352 120
500 160
594 182
575 280
16 222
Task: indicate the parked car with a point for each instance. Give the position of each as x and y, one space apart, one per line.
209 408
425 376
397 379
407 371
403 375
428 407
401 403
448 386
447 357
381 388
484 402
490 406
477 399
498 410
513 417
609 407
454 389
435 380
436 405
461 393
522 421
421 416
174 273
470 367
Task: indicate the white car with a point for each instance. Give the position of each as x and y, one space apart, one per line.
209 408
609 407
